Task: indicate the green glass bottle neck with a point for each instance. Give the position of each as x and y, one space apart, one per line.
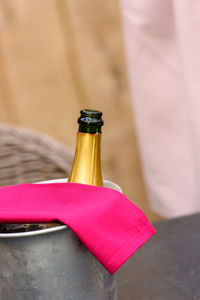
89 128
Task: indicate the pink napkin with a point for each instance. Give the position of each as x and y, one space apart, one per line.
109 225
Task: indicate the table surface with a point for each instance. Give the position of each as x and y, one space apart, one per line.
167 267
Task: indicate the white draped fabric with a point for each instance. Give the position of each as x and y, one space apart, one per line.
162 42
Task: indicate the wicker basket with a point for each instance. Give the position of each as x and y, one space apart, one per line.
27 156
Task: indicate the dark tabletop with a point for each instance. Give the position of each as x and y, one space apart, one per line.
167 267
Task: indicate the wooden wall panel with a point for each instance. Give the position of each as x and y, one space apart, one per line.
33 51
59 56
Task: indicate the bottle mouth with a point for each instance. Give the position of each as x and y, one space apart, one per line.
91 112
90 121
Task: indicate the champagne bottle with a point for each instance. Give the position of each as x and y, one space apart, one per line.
86 167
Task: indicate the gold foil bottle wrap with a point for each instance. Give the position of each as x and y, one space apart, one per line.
86 166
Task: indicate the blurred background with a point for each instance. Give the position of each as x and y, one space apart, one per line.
57 57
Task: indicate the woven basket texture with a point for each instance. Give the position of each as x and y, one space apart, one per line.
28 156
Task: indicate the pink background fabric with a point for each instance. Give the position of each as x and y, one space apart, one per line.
162 44
109 225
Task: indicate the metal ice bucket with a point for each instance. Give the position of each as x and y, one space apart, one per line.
52 264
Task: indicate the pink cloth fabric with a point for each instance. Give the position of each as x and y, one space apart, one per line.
109 225
163 58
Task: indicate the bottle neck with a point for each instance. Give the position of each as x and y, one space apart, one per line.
89 128
86 166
